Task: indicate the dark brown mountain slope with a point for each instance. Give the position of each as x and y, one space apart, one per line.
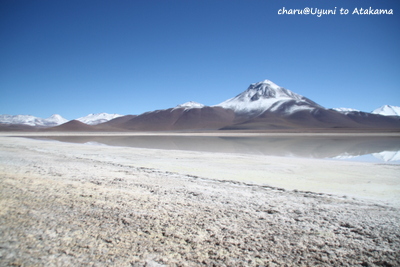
210 118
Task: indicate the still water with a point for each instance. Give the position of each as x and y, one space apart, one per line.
355 148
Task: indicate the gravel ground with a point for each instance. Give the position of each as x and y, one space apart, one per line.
59 208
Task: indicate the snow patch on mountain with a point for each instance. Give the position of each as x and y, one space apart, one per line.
387 110
345 110
93 119
190 105
267 96
55 119
30 120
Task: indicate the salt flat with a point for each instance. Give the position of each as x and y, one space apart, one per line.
74 204
376 181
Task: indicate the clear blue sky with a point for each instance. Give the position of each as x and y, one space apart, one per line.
79 57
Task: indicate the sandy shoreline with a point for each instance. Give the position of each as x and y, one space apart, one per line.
75 205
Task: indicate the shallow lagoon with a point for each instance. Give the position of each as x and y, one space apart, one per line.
356 148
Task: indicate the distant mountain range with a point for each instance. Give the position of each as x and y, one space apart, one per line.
55 120
29 120
263 106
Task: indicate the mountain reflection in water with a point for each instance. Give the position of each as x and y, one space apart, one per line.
383 149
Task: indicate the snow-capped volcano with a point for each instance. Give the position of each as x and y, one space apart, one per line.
29 120
93 119
387 110
267 96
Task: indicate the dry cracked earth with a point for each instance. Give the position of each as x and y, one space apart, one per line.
60 209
